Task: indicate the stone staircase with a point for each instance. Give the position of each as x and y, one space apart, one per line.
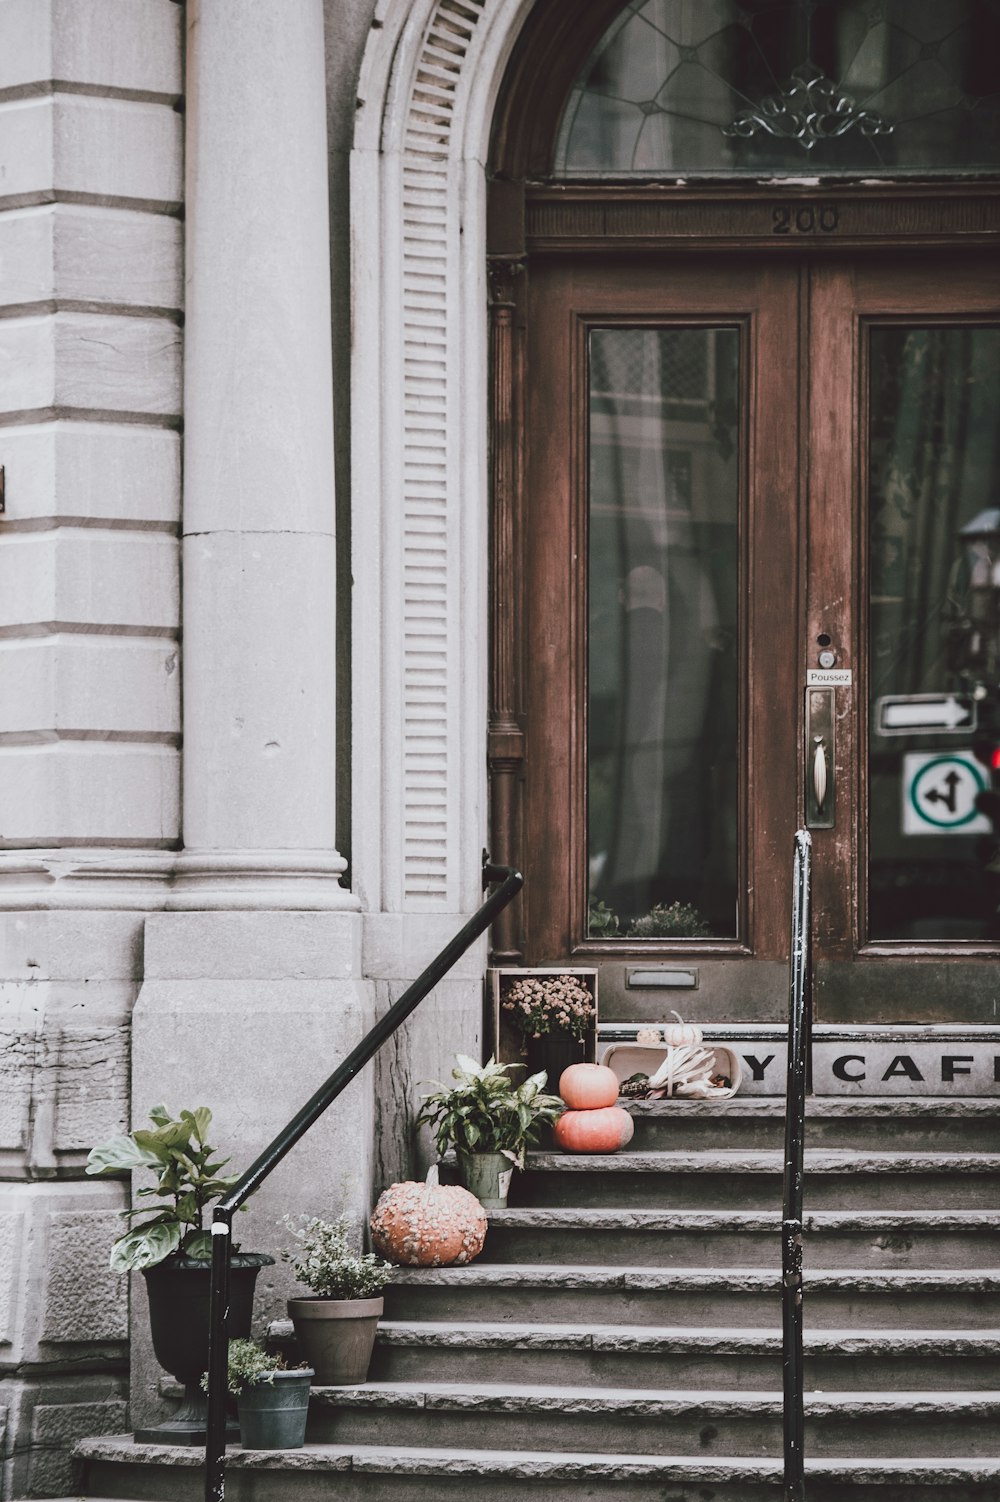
620 1337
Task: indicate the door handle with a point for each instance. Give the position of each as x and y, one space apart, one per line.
819 772
820 726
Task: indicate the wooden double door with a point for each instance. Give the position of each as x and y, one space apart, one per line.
747 602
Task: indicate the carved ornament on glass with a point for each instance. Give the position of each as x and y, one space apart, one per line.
812 108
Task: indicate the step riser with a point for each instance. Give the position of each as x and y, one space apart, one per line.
293 1485
834 1308
877 1252
663 1134
623 1188
750 1373
658 1433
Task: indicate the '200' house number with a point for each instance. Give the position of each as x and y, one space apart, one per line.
804 218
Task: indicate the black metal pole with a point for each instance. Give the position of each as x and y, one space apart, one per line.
218 1356
218 1341
799 1047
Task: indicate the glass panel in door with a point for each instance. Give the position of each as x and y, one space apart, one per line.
934 474
663 612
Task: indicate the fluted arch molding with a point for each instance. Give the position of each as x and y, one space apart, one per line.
428 88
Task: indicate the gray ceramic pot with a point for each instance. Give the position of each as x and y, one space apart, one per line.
273 1414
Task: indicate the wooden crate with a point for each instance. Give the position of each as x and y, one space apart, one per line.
506 1040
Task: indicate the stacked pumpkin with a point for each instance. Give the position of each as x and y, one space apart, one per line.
594 1122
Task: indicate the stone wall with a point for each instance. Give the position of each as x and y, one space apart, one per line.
91 175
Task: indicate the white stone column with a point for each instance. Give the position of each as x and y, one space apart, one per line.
258 552
252 995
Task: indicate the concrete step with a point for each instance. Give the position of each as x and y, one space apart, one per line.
654 1421
639 1356
692 1296
746 1122
752 1180
876 1240
397 1473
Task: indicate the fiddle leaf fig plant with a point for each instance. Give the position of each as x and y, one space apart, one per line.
188 1177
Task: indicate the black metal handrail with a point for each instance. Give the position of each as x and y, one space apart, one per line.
799 1082
223 1212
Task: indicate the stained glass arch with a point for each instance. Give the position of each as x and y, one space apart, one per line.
791 88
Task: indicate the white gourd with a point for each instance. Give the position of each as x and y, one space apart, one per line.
681 1034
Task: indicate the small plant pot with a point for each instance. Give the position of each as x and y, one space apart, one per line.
487 1176
336 1336
273 1414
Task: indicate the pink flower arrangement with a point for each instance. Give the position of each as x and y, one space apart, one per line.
541 1004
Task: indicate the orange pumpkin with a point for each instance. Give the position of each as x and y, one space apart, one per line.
587 1087
428 1225
602 1131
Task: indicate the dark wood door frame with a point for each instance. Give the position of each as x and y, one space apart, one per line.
517 586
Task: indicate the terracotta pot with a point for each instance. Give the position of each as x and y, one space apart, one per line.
336 1336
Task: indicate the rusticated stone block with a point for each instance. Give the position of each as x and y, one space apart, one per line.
63 1303
77 144
18 1048
82 251
11 1235
100 470
91 1085
65 685
111 43
63 1044
89 791
54 1428
84 1299
90 578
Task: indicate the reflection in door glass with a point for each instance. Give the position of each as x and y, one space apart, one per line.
663 650
934 471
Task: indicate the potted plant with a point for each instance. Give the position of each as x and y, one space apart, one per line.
272 1398
554 1014
336 1326
679 920
166 1239
490 1122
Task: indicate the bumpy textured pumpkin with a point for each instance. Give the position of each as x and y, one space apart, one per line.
428 1225
602 1131
587 1087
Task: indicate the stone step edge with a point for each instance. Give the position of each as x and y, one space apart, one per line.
825 1107
715 1160
448 1334
596 1218
537 1464
500 1397
529 1275
615 1031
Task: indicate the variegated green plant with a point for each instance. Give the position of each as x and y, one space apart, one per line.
486 1112
188 1178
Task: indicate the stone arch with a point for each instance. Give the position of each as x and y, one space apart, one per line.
427 92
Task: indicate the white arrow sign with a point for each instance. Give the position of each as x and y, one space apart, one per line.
932 714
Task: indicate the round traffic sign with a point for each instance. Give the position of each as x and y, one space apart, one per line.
943 791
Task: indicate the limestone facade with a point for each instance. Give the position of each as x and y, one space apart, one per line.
221 229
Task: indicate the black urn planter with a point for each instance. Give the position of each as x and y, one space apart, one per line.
179 1290
553 1052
